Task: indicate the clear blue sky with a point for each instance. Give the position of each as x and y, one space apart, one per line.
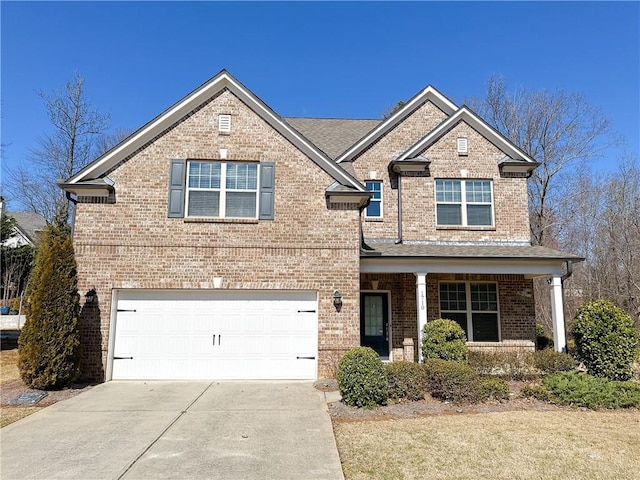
312 59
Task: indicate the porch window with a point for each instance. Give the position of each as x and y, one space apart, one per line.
465 203
474 306
221 189
374 209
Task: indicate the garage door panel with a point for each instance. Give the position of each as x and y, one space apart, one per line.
215 335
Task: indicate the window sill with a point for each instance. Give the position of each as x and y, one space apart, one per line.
373 219
458 227
221 220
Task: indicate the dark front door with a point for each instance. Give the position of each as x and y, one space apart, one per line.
374 322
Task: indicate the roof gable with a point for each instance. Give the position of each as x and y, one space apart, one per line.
467 115
223 80
428 94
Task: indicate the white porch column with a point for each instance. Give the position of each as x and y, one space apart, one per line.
557 314
421 296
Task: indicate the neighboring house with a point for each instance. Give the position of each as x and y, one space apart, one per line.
27 231
224 241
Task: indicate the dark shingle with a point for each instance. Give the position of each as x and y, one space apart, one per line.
332 135
521 252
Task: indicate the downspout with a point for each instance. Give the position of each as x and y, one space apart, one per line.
569 271
73 214
399 239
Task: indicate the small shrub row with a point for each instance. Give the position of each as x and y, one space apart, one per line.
458 382
406 381
584 390
364 381
521 366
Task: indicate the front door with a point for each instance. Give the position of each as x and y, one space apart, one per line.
374 322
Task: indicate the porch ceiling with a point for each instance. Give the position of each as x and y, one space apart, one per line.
416 257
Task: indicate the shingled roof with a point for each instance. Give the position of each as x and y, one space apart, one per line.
332 135
472 251
30 224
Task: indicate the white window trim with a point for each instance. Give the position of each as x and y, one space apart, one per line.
469 311
222 201
463 202
381 201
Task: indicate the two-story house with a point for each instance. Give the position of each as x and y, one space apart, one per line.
224 241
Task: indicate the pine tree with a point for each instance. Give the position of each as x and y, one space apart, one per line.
49 344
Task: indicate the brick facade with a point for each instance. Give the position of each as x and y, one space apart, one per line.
133 244
515 299
511 220
310 244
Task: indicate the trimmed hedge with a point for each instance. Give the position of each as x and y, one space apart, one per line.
406 381
606 340
451 381
444 339
521 366
362 378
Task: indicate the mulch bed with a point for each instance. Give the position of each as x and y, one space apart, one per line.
340 412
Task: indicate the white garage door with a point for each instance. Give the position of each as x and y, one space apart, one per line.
206 335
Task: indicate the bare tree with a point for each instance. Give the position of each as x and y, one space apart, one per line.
77 125
557 129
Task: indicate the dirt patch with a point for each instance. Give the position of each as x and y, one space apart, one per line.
11 385
429 406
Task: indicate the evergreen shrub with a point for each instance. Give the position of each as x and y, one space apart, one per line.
584 390
406 381
49 343
606 340
444 339
362 378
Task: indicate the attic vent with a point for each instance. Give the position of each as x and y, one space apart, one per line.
462 146
224 123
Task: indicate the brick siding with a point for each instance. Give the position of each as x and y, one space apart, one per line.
132 243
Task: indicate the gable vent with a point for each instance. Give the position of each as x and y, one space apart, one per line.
224 123
463 147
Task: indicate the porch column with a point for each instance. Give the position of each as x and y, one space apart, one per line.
557 315
421 296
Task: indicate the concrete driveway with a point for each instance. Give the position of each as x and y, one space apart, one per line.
179 430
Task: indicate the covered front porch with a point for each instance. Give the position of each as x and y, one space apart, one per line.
488 290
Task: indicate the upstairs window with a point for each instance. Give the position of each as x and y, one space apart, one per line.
374 209
466 203
221 189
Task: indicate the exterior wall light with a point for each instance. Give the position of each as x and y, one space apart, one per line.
91 297
337 300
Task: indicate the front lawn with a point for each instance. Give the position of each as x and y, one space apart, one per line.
567 444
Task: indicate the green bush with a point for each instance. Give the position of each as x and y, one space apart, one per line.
492 388
362 378
451 381
606 340
49 343
584 390
537 391
543 341
547 361
444 339
406 381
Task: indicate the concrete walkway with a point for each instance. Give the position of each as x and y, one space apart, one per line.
178 430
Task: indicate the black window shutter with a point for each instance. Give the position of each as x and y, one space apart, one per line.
267 190
177 179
